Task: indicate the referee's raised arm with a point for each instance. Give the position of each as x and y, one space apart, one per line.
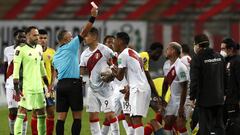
88 26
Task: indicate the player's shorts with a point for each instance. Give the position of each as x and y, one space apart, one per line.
139 101
33 101
12 103
121 104
69 94
98 103
173 106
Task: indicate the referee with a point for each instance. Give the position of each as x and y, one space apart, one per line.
66 64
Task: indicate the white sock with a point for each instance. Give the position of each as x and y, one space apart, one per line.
139 130
95 128
114 126
130 130
105 129
125 125
11 123
25 125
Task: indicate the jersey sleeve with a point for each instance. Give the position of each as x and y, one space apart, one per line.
82 60
74 44
122 60
17 61
182 74
145 61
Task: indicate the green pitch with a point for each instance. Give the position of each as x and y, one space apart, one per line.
4 129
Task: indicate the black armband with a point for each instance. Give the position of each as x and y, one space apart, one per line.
92 19
16 86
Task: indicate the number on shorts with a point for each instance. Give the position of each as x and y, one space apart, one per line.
126 106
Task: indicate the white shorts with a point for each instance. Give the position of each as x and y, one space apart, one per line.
172 108
121 104
139 101
98 103
12 103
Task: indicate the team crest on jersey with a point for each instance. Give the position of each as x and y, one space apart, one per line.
17 52
49 57
173 72
97 55
144 60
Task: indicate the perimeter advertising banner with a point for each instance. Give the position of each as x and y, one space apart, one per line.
136 30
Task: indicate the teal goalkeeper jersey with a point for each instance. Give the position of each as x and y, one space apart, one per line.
32 66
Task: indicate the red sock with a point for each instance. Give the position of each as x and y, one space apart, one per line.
148 129
121 117
50 125
34 126
106 123
158 117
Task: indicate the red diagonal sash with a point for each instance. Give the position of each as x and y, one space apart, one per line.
92 61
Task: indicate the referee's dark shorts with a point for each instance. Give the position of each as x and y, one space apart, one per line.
69 94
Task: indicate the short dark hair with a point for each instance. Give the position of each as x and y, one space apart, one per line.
42 32
28 29
15 33
61 34
107 37
185 48
94 31
124 37
156 45
202 40
230 43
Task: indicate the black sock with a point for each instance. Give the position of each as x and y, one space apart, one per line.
76 127
60 127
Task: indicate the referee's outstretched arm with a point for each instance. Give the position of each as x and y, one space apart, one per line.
88 26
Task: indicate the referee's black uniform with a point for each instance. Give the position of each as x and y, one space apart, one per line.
207 87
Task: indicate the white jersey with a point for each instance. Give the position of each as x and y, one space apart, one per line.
177 74
135 74
8 57
186 61
96 62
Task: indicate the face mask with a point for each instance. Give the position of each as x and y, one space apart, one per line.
195 48
223 53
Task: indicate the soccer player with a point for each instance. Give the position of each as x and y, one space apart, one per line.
154 53
130 65
47 59
100 94
29 56
177 79
69 86
121 106
19 37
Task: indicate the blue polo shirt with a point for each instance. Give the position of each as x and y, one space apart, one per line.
66 59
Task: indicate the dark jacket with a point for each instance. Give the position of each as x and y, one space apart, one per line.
207 78
232 81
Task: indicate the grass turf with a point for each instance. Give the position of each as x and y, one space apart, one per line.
4 129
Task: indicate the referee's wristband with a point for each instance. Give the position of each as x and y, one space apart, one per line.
92 19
